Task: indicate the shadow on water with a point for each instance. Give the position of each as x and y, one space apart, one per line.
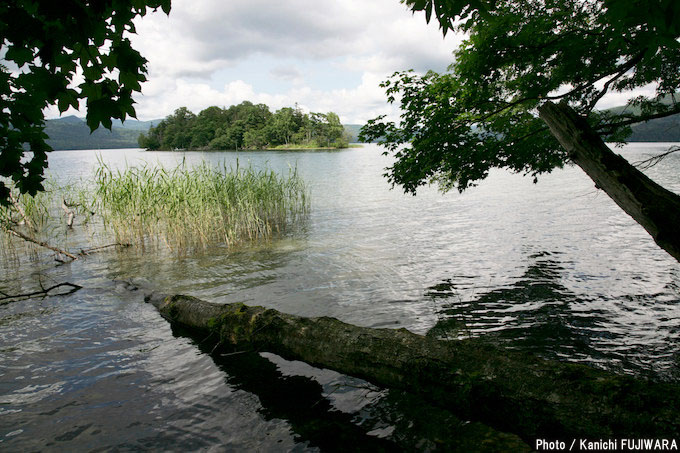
369 419
534 313
537 313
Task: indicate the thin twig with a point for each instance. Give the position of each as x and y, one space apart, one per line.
219 343
44 293
234 353
648 163
87 251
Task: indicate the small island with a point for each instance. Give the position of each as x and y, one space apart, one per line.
246 126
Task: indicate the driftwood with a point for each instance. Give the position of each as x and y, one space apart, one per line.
70 213
26 238
89 251
83 252
652 206
509 391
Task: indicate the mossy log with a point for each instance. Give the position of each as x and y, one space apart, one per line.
507 390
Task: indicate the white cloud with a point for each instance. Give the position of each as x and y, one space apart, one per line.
328 55
325 55
618 99
353 105
288 74
348 40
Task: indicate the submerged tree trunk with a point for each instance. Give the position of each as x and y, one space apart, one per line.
655 208
510 391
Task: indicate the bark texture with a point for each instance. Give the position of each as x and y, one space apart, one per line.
652 206
510 391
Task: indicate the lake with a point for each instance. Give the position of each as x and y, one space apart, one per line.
555 268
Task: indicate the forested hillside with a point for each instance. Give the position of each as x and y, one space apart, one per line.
353 131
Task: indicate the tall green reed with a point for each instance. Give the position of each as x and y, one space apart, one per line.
195 207
182 208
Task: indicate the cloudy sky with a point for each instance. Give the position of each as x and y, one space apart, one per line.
326 55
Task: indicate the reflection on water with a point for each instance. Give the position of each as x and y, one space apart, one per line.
300 401
554 268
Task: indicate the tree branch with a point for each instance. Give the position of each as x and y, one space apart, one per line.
607 128
616 75
624 68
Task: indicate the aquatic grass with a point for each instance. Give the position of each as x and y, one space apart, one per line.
198 206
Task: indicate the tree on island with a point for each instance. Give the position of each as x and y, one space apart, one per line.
494 108
245 126
46 44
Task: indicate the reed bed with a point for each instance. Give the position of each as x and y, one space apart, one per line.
195 207
182 208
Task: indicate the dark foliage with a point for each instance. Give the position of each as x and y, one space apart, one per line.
482 113
45 45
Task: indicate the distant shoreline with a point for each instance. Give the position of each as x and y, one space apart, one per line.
291 147
296 147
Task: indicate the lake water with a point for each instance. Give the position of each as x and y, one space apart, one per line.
554 267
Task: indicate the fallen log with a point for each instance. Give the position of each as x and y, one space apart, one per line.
507 390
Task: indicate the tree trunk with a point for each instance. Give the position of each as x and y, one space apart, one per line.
509 391
655 208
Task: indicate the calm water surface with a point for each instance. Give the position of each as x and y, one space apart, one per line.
555 268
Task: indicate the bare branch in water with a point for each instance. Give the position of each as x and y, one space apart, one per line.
69 212
20 235
90 250
44 292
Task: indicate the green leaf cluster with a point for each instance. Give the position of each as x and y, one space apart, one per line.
244 126
46 45
482 113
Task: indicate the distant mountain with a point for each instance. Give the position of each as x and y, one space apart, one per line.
659 130
135 125
353 131
71 132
